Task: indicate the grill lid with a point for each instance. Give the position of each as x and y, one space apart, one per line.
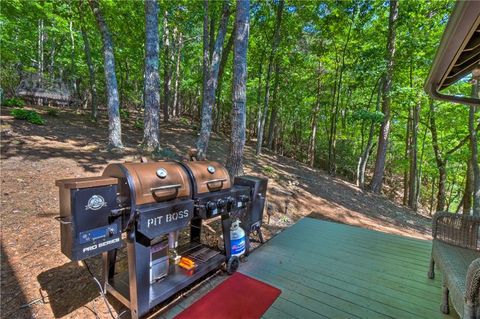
208 176
150 182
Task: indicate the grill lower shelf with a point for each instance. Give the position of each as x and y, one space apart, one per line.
177 279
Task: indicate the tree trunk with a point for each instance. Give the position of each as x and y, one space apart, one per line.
275 108
441 163
91 68
41 39
212 81
377 179
40 65
235 158
474 151
412 195
467 194
432 195
151 89
223 62
176 101
276 41
114 122
259 95
313 131
206 53
406 158
332 141
73 70
368 148
167 69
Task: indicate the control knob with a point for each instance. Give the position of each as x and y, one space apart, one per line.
211 208
221 203
230 203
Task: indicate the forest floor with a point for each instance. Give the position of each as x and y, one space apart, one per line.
37 281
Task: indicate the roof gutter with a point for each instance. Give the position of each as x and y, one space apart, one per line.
461 25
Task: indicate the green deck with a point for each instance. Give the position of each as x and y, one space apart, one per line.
329 270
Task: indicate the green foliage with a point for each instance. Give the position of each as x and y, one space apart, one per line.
52 112
27 115
331 55
269 171
13 102
138 124
184 121
366 115
124 114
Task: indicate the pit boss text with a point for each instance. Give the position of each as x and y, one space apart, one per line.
156 221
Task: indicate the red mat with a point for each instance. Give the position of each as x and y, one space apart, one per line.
238 297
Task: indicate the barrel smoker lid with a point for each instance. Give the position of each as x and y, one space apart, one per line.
86 182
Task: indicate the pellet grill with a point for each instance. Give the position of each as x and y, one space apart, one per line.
144 206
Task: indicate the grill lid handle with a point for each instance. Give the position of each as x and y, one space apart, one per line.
157 191
210 183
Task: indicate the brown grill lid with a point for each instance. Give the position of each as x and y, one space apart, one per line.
86 182
151 182
209 176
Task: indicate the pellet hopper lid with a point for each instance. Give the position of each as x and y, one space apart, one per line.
86 182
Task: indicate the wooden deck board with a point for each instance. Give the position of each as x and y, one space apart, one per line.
330 270
358 273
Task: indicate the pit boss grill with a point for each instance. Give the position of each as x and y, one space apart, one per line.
145 206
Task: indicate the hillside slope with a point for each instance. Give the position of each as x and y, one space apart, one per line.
37 278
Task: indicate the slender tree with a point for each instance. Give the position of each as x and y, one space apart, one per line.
273 51
151 88
176 100
377 179
167 69
212 81
114 122
413 173
466 202
275 108
314 123
91 68
239 110
474 146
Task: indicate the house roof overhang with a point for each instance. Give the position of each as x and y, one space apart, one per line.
458 53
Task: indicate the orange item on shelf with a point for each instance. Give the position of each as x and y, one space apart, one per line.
186 263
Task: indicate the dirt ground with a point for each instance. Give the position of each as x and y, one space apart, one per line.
37 281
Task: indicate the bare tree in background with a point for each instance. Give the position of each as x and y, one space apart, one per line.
151 87
114 122
239 109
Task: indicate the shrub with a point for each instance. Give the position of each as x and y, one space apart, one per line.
27 115
16 102
139 124
269 171
184 121
52 112
124 114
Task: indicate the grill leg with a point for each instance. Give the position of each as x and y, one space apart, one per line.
195 230
444 307
431 270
